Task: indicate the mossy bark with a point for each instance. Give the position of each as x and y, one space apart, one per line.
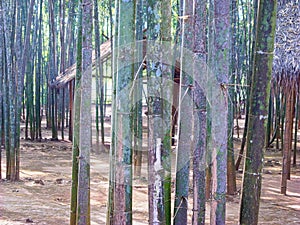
110 215
85 139
199 150
220 67
76 125
186 119
123 115
260 90
159 111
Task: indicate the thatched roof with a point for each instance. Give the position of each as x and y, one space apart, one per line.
69 74
286 64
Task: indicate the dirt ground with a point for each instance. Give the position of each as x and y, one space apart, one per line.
43 194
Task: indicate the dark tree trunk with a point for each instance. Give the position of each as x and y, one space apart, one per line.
260 90
287 141
75 123
62 62
199 152
220 55
52 71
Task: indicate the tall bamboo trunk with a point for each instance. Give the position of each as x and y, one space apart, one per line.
296 128
200 115
110 215
258 111
85 138
185 118
138 120
287 142
76 125
124 74
221 51
159 113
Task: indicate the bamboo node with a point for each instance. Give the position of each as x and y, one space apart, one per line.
264 53
254 174
185 17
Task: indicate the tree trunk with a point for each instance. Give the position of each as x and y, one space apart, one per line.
76 124
221 51
62 62
70 49
99 76
110 215
52 70
10 89
159 99
85 140
2 94
123 157
296 128
155 171
199 151
167 92
38 133
260 90
287 141
5 87
231 178
186 120
138 120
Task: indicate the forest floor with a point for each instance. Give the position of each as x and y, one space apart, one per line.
43 194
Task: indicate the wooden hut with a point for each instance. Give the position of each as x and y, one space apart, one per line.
67 78
69 74
286 72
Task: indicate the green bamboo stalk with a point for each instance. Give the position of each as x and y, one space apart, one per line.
220 67
167 93
98 64
209 137
110 215
53 70
85 141
125 70
251 16
38 133
159 141
76 125
186 116
9 91
138 120
269 121
5 93
199 99
62 98
277 120
260 91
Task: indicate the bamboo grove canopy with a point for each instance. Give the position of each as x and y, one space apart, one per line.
286 64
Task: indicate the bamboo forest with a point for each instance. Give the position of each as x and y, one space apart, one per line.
160 112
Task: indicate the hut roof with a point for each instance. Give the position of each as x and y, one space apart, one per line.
69 74
286 64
